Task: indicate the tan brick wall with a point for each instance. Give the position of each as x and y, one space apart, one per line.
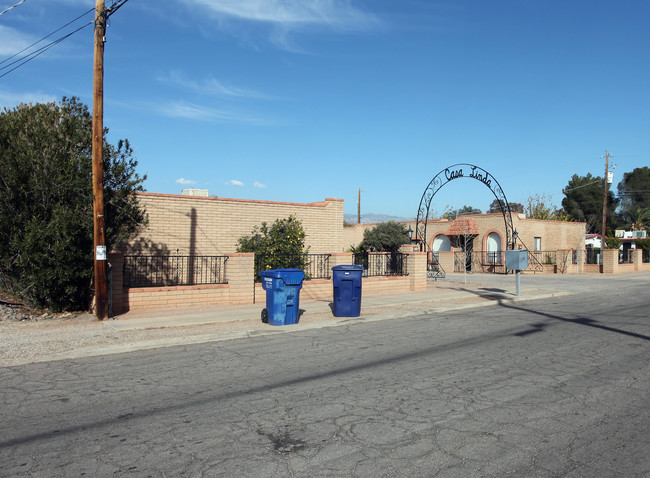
554 234
240 273
610 261
212 226
417 269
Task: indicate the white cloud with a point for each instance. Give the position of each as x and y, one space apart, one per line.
234 182
209 86
13 41
338 14
186 110
9 99
259 185
185 182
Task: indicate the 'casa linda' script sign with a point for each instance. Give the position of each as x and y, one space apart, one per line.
476 173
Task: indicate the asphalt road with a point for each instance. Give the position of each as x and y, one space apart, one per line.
559 387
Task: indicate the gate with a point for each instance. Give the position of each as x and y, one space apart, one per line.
451 173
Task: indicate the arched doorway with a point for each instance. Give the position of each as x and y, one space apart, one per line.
493 248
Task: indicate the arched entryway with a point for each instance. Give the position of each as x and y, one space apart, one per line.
458 171
493 248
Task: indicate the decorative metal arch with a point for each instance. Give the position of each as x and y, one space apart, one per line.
457 171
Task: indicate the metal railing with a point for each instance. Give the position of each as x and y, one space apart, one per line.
625 256
160 271
382 264
435 270
646 255
543 257
315 266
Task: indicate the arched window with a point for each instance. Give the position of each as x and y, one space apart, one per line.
493 248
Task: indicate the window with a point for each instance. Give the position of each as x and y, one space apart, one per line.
538 243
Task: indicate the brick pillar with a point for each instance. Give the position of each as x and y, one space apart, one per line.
446 260
341 259
118 302
610 261
417 269
637 258
240 272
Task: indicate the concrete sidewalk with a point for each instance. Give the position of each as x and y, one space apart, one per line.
246 319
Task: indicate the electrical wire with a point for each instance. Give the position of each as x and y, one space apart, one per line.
40 51
13 6
115 7
44 38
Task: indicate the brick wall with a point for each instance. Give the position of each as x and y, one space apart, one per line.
241 288
212 226
554 234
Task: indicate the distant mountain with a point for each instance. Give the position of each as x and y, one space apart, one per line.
371 218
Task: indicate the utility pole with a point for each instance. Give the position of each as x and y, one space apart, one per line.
359 208
605 190
101 283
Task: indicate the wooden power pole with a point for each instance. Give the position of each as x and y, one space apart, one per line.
359 208
605 190
101 282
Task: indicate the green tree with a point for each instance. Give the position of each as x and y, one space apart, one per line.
583 202
634 189
280 246
612 243
541 207
387 236
498 206
452 214
46 214
643 244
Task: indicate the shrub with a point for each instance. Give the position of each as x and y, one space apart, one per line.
280 246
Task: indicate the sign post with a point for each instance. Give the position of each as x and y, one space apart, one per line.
517 261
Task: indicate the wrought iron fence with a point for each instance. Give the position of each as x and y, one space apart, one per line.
543 257
434 268
382 264
159 271
625 256
646 255
592 255
315 266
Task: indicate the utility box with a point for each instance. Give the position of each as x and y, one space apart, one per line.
516 260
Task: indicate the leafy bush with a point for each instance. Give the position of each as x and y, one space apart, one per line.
387 236
612 243
643 244
46 212
280 246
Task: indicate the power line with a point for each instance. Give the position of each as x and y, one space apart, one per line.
13 6
29 57
45 37
115 7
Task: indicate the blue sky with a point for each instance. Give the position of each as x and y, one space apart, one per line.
299 100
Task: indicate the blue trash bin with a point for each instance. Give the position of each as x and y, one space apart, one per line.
282 288
347 290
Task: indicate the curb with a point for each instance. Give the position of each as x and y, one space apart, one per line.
112 349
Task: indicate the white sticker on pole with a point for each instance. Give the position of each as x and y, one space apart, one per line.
100 253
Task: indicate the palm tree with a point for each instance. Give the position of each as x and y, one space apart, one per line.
639 218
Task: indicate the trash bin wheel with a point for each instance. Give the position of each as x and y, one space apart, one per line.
265 316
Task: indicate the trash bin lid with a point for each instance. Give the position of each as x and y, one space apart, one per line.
347 268
289 276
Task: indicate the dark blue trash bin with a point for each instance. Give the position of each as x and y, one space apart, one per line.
347 290
282 288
